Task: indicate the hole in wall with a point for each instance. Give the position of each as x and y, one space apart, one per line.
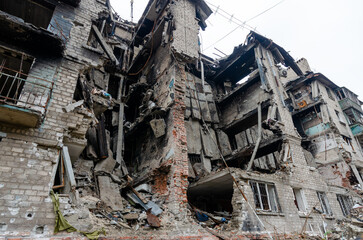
213 195
39 229
29 215
3 226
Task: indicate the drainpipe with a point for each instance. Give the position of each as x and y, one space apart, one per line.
259 137
202 71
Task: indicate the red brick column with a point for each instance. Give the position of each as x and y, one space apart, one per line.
179 169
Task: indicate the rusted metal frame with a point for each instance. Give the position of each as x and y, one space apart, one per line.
26 75
14 79
7 77
20 70
33 83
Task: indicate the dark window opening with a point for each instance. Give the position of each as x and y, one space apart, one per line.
340 94
37 12
345 204
59 176
233 142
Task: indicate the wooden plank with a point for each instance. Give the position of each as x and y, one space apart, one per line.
104 45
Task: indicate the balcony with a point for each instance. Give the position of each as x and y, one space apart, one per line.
348 103
357 128
23 98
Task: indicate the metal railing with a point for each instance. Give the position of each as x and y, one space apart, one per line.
24 91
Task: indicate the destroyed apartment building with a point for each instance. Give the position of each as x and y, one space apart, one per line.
110 128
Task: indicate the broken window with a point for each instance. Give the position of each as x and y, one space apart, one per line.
325 206
265 196
345 204
300 200
37 12
340 94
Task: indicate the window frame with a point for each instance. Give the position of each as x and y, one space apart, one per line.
345 203
299 193
324 203
271 196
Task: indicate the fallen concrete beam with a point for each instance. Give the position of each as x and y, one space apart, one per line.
104 45
68 166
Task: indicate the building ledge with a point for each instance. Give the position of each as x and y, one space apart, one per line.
19 116
259 212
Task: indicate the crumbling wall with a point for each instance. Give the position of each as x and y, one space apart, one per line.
30 155
26 180
185 35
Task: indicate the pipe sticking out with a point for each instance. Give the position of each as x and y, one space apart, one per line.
202 71
259 114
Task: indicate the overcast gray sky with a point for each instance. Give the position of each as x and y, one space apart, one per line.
328 33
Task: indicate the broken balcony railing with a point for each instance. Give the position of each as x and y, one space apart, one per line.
24 91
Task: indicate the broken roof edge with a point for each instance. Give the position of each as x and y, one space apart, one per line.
311 76
252 40
269 44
